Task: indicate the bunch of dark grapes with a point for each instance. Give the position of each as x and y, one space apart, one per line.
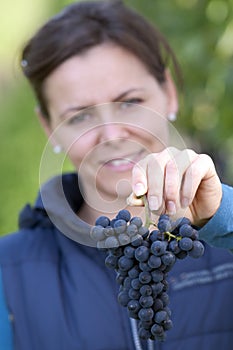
142 260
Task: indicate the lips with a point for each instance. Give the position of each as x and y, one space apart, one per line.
123 163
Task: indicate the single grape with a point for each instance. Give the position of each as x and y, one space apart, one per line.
146 301
195 235
123 239
137 240
123 298
167 309
103 221
134 294
165 298
97 233
157 276
124 214
145 277
186 230
133 305
117 251
146 290
168 258
157 288
136 221
143 333
108 231
173 246
158 304
111 242
146 314
121 272
119 278
125 263
112 222
127 283
156 329
164 217
161 316
156 235
158 248
129 251
197 251
182 221
186 244
145 324
167 325
136 284
165 285
134 272
154 261
132 230
144 266
143 231
142 253
164 225
111 261
120 226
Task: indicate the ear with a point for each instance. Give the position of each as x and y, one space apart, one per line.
173 105
44 122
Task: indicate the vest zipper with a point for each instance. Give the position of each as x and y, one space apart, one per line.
136 339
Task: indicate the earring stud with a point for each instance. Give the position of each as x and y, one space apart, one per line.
57 149
171 116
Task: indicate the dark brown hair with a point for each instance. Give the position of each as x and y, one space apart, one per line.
85 24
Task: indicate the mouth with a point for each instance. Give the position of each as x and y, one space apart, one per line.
124 163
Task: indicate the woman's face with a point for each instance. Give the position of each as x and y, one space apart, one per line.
107 112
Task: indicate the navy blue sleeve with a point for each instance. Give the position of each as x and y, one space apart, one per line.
6 334
218 231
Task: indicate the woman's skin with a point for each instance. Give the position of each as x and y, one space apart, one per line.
109 114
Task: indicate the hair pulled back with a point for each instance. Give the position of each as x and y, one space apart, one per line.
85 24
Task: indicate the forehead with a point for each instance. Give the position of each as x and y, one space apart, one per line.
98 74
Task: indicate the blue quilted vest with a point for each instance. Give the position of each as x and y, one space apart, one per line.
60 296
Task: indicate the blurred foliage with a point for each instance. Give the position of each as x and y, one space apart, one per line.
201 34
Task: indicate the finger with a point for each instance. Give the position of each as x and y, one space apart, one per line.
155 177
200 169
139 178
172 187
174 173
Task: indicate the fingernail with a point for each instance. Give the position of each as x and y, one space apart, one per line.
184 202
153 203
171 208
139 189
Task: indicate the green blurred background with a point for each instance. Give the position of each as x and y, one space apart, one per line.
201 34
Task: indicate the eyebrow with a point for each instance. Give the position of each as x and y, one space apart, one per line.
116 99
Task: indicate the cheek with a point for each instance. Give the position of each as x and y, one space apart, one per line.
78 148
154 133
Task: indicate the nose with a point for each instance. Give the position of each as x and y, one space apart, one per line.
112 131
111 126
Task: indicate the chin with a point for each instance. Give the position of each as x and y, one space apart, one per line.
115 190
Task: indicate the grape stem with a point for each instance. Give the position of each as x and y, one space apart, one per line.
148 221
170 236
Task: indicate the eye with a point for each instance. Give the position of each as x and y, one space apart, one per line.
80 117
131 102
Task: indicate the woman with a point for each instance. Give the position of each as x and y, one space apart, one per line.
105 97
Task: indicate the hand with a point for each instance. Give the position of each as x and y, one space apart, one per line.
180 183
